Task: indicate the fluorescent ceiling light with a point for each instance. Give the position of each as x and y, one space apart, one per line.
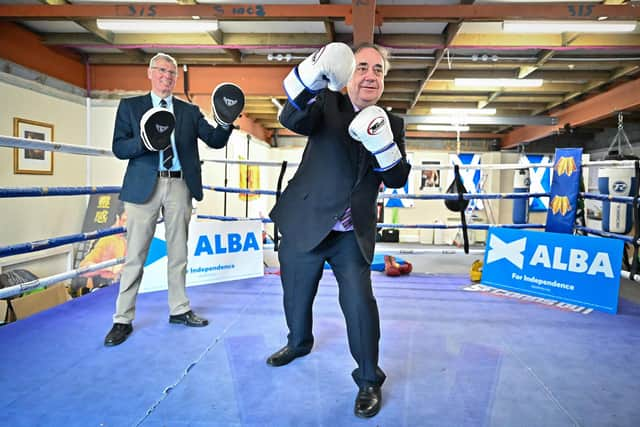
443 128
552 27
157 26
463 82
465 111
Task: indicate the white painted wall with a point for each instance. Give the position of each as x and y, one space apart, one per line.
29 219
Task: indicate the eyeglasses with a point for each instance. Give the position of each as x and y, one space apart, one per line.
363 68
165 71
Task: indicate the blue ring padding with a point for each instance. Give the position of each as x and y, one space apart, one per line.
55 191
387 168
234 218
607 197
629 239
383 149
39 245
239 190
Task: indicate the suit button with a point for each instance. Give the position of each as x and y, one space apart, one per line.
336 217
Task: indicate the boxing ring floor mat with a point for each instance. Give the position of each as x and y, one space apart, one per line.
453 357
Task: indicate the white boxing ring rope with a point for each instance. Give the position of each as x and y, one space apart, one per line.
39 283
15 142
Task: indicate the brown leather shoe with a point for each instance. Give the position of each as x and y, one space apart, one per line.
368 401
118 334
285 355
189 318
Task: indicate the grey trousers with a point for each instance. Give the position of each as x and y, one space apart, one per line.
173 198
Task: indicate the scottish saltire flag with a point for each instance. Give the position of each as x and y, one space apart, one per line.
540 180
471 178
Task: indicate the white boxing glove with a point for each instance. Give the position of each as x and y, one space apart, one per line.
331 66
372 128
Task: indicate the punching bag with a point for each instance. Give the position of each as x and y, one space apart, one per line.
617 217
460 204
456 187
521 183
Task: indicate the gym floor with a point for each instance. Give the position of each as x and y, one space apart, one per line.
453 358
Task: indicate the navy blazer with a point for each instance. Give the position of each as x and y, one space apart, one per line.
336 172
142 170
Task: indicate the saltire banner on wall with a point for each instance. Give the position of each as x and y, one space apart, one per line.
471 178
540 178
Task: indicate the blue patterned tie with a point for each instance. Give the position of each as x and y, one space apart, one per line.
346 221
167 153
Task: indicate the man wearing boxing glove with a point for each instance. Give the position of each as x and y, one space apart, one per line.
163 175
328 210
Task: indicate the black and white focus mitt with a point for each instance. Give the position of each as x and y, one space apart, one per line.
227 102
156 127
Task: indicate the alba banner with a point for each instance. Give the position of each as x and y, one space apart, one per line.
575 269
219 251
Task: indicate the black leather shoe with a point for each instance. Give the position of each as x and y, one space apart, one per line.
285 355
118 334
368 401
189 318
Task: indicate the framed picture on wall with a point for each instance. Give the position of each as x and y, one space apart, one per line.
34 161
430 179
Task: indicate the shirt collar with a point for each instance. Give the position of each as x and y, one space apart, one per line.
155 100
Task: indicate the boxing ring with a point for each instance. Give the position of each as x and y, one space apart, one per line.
455 352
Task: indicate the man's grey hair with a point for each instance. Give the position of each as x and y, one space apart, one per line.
164 56
384 53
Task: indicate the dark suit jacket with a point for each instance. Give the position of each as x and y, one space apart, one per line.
142 169
336 171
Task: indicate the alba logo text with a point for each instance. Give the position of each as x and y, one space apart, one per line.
226 243
555 258
578 261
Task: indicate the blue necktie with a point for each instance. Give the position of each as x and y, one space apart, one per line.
167 153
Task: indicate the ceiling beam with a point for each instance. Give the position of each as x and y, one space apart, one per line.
451 13
263 81
621 98
629 70
23 47
363 20
450 33
157 11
